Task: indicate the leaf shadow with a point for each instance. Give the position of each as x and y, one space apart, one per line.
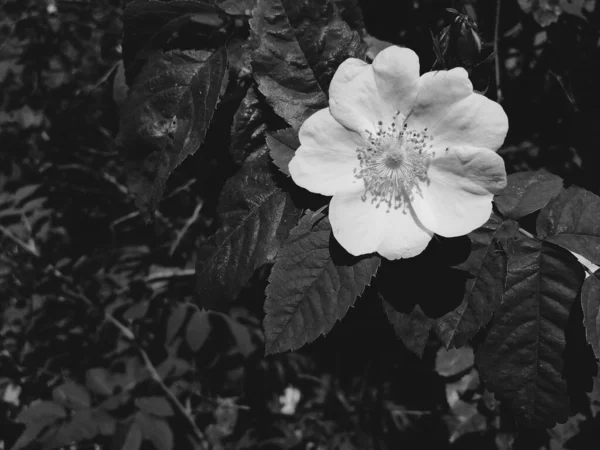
428 280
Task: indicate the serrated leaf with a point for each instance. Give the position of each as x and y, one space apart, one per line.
483 293
166 117
150 26
521 359
527 192
312 285
155 430
572 220
590 303
198 330
411 328
282 146
256 216
248 128
72 395
292 68
175 321
155 406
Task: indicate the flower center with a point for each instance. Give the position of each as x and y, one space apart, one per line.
393 164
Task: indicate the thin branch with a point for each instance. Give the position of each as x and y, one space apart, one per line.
6 232
193 218
496 54
169 393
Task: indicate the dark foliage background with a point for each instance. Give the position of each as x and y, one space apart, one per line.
78 261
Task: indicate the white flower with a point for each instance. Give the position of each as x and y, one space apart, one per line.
403 156
289 400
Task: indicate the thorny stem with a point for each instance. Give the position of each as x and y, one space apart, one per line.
496 54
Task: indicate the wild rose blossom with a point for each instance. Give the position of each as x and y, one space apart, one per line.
403 156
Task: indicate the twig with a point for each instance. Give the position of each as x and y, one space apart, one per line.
169 393
496 54
6 232
193 218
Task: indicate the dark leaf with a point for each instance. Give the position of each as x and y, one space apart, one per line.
411 328
527 192
454 361
198 329
30 434
248 128
351 13
256 217
175 321
590 302
282 146
483 293
42 412
72 395
151 26
155 430
292 67
521 358
312 285
82 426
237 7
572 220
127 437
167 115
99 380
155 406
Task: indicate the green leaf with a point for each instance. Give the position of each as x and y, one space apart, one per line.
312 285
411 328
155 430
521 359
155 406
198 330
282 146
248 128
483 293
150 26
83 425
292 66
72 395
256 216
527 192
590 303
166 117
572 220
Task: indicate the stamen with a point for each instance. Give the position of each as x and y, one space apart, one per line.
393 164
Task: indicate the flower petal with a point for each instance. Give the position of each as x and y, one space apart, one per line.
476 121
439 91
396 72
360 94
325 161
457 197
361 228
353 97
